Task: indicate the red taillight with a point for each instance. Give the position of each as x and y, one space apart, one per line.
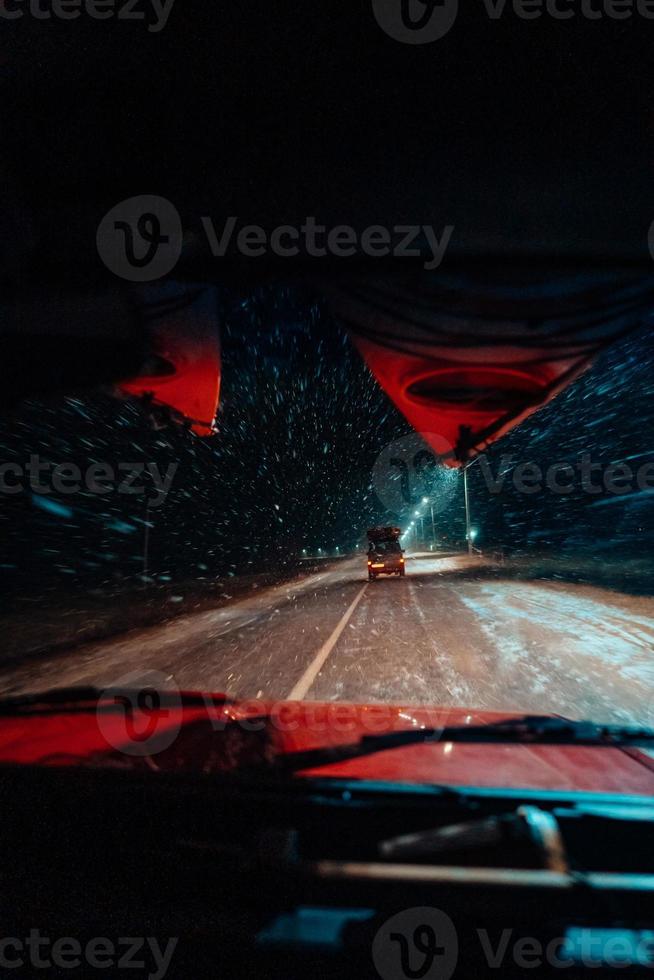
401 561
370 563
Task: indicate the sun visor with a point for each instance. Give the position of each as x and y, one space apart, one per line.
467 359
181 378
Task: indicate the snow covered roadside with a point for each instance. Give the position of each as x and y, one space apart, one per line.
42 625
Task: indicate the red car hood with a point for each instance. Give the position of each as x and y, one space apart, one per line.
218 735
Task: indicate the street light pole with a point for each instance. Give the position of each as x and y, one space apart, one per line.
466 467
467 502
428 500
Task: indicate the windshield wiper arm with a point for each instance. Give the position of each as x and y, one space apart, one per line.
526 730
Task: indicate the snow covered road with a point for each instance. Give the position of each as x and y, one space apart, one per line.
456 631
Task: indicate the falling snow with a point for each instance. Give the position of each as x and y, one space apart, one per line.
300 425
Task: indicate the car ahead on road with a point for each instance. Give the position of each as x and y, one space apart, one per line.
385 554
297 839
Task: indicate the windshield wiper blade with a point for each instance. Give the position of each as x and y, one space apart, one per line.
551 730
81 700
526 730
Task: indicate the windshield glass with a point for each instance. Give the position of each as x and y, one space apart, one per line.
387 548
528 584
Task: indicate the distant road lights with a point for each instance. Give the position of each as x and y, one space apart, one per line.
425 500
